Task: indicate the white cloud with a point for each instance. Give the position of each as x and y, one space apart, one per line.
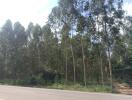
26 11
128 8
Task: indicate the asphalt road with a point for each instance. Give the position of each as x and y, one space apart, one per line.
24 93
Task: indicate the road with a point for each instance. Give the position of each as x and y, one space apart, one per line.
26 93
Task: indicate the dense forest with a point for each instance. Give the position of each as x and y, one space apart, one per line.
83 41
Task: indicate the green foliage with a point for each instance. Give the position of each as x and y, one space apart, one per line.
78 87
81 43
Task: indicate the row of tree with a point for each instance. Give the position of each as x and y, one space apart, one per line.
84 41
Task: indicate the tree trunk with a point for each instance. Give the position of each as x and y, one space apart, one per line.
101 66
107 45
84 66
73 59
66 62
39 62
110 68
5 63
74 67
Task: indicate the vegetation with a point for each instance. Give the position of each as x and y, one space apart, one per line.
78 87
87 42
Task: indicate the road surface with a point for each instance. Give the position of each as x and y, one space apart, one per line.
24 93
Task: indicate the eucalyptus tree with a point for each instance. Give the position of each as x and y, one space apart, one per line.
37 32
112 15
64 45
112 25
106 23
81 28
29 33
128 40
58 20
18 51
5 37
63 15
50 48
94 9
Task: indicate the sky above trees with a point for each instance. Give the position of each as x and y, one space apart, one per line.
35 11
25 11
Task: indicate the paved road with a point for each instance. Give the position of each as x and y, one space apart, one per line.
24 93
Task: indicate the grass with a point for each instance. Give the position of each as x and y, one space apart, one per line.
78 87
62 86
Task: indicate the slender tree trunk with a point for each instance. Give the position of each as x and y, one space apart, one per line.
84 66
74 67
101 66
73 59
110 68
57 52
5 62
109 57
66 62
66 68
39 62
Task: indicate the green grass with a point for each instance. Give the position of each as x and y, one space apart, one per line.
78 87
61 86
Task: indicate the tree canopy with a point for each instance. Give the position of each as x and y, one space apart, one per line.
84 41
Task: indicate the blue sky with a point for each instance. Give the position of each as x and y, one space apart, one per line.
35 11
